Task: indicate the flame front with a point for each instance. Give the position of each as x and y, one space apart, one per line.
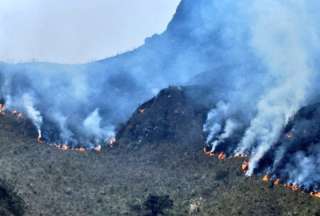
245 166
315 194
222 156
2 108
277 182
266 178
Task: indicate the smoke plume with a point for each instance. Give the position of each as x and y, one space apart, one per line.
256 59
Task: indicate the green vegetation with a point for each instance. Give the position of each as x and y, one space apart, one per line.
119 181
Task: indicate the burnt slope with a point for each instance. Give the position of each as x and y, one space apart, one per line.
172 116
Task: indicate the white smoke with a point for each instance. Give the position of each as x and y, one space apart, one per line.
260 56
61 120
215 120
281 39
230 127
32 112
92 125
303 169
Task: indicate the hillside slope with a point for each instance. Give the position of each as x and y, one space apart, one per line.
119 180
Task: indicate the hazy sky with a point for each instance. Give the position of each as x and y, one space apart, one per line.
72 31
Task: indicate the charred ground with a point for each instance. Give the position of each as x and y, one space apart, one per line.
157 166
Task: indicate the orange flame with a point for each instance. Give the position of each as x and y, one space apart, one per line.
2 107
266 178
80 150
276 182
245 166
208 153
222 156
39 139
292 187
315 194
64 147
141 110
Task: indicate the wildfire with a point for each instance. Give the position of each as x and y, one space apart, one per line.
208 153
222 156
39 140
80 149
141 110
16 113
111 141
13 112
266 178
289 135
276 182
292 187
315 194
245 166
64 147
2 108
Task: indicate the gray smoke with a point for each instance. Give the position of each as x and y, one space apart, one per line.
284 36
258 60
287 34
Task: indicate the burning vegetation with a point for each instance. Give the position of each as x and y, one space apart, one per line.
111 141
147 125
266 178
292 159
220 155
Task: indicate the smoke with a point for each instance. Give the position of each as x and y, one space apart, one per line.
256 59
32 113
283 42
221 123
215 120
303 169
292 73
92 126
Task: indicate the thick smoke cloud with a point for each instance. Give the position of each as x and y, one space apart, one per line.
281 38
257 60
284 37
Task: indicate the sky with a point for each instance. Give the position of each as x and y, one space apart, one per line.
78 31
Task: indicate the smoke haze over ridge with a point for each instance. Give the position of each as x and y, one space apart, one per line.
257 58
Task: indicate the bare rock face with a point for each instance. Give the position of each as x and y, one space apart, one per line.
172 116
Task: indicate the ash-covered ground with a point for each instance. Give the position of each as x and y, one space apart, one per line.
157 167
